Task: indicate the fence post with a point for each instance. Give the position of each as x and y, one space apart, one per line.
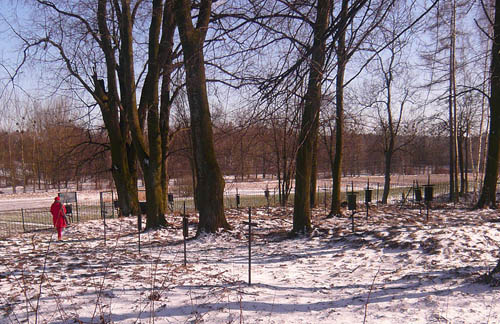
185 228
22 217
249 246
104 218
77 213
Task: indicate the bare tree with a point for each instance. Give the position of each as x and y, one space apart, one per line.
284 124
443 59
148 145
393 117
100 48
209 181
345 46
310 123
488 192
66 28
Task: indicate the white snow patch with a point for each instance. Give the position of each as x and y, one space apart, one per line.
396 268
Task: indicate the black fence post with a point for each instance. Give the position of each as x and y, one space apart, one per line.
266 194
185 232
249 245
324 189
112 202
139 228
250 224
22 216
428 197
77 212
104 221
368 198
351 205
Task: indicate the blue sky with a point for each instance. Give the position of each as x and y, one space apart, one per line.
13 13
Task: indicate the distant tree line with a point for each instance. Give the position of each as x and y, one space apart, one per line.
49 150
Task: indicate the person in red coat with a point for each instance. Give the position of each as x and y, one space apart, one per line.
58 211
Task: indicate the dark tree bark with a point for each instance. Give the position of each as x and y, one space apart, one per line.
166 98
122 154
209 181
310 122
149 152
488 192
491 173
314 173
339 117
452 108
462 157
390 131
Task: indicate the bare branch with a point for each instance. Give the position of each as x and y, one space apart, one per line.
50 4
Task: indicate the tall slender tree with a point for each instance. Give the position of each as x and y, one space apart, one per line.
395 125
488 192
444 27
342 58
209 191
310 122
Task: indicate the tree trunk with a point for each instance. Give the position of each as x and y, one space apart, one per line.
156 198
452 101
209 181
461 163
387 175
123 157
124 178
310 123
390 130
166 54
149 152
339 118
314 173
488 193
12 169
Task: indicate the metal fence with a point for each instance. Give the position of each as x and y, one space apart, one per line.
38 219
399 193
16 221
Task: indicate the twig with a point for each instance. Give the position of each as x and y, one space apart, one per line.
369 294
241 309
41 281
101 285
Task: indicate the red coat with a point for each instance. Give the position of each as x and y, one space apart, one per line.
58 211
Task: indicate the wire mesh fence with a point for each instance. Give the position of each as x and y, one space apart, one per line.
38 219
24 220
398 193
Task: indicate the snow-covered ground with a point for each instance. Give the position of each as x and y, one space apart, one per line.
396 268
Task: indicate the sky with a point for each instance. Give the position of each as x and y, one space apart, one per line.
29 81
11 12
